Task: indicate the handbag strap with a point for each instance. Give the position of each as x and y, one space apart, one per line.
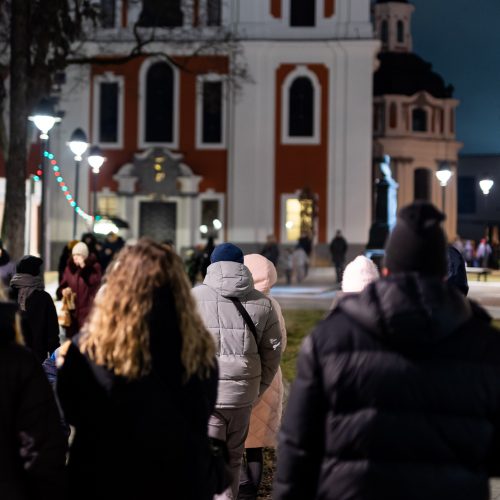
246 316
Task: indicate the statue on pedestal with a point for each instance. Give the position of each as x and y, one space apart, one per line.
386 206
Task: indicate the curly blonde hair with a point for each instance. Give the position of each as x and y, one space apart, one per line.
117 332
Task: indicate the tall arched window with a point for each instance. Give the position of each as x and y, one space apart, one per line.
401 32
384 31
393 115
302 12
301 108
159 108
422 184
419 120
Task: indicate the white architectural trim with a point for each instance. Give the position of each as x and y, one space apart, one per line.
210 77
301 71
142 105
108 77
210 195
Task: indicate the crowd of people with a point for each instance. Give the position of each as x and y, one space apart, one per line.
483 254
173 390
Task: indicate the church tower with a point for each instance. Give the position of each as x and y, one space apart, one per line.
393 25
413 115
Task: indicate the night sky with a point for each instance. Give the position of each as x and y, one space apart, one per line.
461 38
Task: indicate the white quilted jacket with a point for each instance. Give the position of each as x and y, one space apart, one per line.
246 367
266 416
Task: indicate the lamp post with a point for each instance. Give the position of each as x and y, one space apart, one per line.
44 118
485 185
78 145
443 175
95 159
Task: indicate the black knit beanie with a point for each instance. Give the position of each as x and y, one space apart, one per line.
418 242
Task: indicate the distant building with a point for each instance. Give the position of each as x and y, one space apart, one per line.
414 114
478 214
287 151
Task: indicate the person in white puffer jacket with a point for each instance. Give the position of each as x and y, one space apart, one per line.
266 414
247 365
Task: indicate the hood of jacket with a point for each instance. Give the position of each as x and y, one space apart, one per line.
229 279
263 272
409 310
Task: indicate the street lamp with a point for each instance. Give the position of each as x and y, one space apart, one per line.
44 118
443 175
95 159
485 185
78 145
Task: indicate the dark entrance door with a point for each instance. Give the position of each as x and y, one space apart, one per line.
158 220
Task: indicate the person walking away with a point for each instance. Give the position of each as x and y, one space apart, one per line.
32 443
266 414
247 335
271 250
397 394
338 250
205 256
469 252
139 385
38 313
483 253
82 277
111 246
300 263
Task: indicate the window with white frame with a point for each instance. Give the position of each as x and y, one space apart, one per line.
301 106
211 218
210 112
108 13
108 110
303 13
214 12
161 13
108 205
158 119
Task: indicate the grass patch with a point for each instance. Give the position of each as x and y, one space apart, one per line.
298 324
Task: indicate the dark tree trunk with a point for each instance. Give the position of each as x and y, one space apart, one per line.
15 197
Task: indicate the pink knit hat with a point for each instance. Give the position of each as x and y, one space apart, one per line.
358 274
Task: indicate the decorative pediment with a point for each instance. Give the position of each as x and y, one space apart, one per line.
157 171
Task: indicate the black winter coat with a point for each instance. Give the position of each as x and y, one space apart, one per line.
145 438
32 442
397 397
40 324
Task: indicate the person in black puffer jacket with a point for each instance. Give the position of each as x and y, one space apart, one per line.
397 394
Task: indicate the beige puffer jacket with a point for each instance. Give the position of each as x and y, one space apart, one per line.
266 416
246 367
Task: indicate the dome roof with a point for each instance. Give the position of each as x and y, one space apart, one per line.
406 74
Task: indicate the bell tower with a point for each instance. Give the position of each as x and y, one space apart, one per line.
392 21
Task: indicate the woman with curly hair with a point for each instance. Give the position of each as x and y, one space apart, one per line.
139 385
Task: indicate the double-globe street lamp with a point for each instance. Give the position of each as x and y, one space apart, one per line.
44 118
96 160
78 145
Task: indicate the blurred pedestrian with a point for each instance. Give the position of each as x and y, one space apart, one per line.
271 250
38 313
457 274
398 391
483 253
205 256
139 385
266 414
300 263
81 277
338 251
63 258
111 246
32 441
247 334
7 267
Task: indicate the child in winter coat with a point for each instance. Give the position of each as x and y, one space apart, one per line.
266 415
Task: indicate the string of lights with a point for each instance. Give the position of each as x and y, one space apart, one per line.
62 186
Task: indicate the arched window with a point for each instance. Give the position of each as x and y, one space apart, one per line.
302 12
301 108
422 184
159 108
393 115
384 31
419 120
401 31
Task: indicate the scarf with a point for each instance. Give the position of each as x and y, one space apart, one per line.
26 284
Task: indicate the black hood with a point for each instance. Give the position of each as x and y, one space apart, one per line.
409 310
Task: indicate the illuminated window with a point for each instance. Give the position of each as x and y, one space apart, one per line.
292 221
210 220
107 205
